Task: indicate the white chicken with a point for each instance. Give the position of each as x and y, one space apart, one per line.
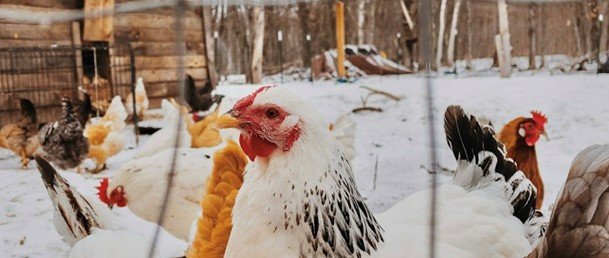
141 99
140 185
166 137
299 197
93 230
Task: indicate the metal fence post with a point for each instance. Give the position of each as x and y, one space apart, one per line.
280 39
136 129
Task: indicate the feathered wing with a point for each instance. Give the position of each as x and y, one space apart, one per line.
579 226
475 145
343 130
214 227
74 216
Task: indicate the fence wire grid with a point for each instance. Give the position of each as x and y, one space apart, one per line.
19 15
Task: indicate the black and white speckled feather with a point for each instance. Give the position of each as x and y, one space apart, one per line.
62 141
339 222
474 144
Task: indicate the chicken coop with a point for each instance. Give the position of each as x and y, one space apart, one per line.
104 56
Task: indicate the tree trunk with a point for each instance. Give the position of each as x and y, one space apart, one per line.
370 21
532 54
440 46
450 52
587 28
469 54
258 44
576 31
303 16
209 46
542 37
604 26
505 57
361 17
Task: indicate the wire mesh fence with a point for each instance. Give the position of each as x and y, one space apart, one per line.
46 74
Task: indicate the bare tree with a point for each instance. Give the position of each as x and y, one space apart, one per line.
258 45
532 54
361 17
468 56
442 24
504 48
450 52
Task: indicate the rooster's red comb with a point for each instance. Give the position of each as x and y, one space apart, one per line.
102 190
249 99
539 118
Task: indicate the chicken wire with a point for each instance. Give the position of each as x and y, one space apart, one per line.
50 17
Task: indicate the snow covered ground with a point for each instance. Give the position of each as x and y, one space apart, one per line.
576 106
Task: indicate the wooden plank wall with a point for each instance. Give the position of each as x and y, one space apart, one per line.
24 34
152 35
19 79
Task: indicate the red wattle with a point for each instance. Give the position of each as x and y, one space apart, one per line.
255 146
246 145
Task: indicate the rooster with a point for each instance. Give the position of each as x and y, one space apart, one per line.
520 136
105 135
140 184
21 137
299 197
63 141
141 99
87 225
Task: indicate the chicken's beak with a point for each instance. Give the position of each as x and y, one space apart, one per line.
110 206
227 120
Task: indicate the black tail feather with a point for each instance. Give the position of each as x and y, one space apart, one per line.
85 110
467 138
28 110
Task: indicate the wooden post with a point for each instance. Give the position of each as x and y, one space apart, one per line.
469 54
577 34
602 18
258 46
450 52
208 40
442 24
532 47
340 40
98 28
542 37
77 46
505 56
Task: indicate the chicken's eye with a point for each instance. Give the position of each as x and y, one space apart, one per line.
272 113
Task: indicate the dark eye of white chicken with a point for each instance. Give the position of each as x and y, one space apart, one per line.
272 113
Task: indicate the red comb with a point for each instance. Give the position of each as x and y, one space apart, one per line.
102 191
539 118
249 99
